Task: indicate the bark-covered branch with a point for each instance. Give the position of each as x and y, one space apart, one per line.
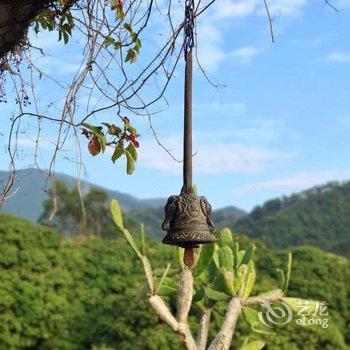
203 331
275 295
223 339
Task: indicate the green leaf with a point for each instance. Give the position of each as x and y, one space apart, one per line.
199 295
170 282
102 140
248 254
235 250
118 220
216 256
281 278
130 163
225 237
137 42
118 45
249 285
113 129
289 269
215 295
132 150
212 271
165 290
255 345
158 272
93 128
220 281
205 257
109 41
180 254
226 258
128 27
118 152
117 214
120 13
240 277
143 240
65 37
229 278
132 243
251 316
163 277
131 56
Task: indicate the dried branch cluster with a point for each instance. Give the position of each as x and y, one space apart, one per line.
106 82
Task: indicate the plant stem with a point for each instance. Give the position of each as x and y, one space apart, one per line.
223 339
202 336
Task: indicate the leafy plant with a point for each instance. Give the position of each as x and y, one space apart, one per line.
115 137
221 282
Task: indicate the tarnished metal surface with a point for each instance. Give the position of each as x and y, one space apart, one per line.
187 221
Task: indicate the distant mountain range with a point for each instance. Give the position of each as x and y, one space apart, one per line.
29 191
319 216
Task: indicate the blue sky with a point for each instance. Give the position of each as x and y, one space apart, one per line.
281 123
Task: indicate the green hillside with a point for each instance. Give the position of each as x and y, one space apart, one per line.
319 217
88 293
30 190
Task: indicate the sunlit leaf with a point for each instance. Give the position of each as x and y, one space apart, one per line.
117 214
205 257
215 295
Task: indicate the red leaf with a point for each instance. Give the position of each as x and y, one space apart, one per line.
118 4
86 133
132 139
94 146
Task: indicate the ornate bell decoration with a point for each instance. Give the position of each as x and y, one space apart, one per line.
187 221
187 216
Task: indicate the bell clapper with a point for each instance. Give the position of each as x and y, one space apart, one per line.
189 257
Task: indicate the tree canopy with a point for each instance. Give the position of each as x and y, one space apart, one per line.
89 293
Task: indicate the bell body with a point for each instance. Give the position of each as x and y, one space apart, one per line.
187 221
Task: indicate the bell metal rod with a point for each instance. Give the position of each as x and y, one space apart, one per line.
187 162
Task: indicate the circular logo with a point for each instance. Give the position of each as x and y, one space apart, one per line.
278 314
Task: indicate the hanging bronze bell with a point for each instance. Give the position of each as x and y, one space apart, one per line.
187 221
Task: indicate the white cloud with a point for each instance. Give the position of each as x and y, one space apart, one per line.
221 109
285 7
212 157
45 40
54 65
245 54
226 9
338 57
297 181
261 131
30 143
209 52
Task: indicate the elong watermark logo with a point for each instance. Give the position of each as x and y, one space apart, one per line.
304 313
